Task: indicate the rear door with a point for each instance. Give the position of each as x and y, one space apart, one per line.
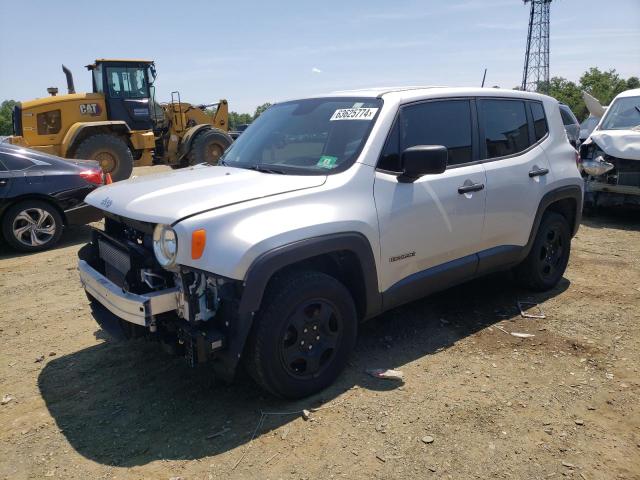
517 169
434 221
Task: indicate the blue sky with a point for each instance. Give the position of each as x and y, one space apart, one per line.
255 51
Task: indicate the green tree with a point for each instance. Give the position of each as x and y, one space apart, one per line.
565 91
603 85
236 119
6 108
633 82
261 109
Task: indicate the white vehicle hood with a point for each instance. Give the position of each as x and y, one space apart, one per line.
170 196
618 143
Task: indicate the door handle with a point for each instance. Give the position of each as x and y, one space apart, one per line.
538 172
3 182
473 187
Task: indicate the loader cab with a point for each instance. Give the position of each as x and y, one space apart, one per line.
126 86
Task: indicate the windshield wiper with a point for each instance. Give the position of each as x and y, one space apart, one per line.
262 168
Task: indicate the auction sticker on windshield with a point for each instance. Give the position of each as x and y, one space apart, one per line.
353 114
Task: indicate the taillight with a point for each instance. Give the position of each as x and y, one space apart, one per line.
93 176
107 179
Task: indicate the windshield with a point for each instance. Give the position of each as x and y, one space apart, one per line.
622 114
313 136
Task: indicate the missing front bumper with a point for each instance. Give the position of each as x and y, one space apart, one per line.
131 307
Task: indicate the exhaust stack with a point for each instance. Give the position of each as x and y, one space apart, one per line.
67 73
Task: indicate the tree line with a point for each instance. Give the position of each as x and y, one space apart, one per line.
603 85
236 119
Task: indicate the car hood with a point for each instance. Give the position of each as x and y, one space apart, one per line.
618 143
170 196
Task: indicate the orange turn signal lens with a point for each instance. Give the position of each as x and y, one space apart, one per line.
198 241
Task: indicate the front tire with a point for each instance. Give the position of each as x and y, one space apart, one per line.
547 261
32 226
111 151
208 147
303 334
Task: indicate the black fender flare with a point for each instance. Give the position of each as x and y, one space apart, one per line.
263 268
572 192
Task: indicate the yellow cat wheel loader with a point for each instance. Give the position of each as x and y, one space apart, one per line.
120 124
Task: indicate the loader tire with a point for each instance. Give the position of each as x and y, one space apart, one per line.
111 151
208 147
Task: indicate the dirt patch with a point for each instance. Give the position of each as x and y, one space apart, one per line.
563 402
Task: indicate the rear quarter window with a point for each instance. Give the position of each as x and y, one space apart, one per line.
540 128
567 119
17 162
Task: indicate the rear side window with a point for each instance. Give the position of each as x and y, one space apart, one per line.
14 162
540 128
506 130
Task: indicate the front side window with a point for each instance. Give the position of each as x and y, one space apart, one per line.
446 123
540 128
506 130
312 136
127 82
624 113
49 123
97 79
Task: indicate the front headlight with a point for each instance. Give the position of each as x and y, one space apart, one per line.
165 245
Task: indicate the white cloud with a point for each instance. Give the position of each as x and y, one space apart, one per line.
316 70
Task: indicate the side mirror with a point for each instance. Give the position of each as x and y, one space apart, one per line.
423 160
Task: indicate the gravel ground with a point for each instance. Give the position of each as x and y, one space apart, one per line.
476 402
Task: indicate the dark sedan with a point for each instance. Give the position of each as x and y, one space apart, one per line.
40 194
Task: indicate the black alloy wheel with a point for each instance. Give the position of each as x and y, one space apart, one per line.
310 338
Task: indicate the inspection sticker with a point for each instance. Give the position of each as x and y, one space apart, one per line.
353 114
327 161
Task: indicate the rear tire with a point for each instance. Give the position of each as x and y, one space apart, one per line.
111 151
208 147
545 265
32 226
303 335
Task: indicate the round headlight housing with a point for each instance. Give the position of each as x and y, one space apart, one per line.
165 245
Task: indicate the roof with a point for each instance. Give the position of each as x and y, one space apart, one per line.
634 92
121 60
136 60
410 92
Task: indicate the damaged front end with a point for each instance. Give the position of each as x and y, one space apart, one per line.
191 312
611 168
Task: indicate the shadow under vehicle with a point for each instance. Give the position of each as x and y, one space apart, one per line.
125 407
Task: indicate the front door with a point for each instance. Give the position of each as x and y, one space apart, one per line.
429 229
